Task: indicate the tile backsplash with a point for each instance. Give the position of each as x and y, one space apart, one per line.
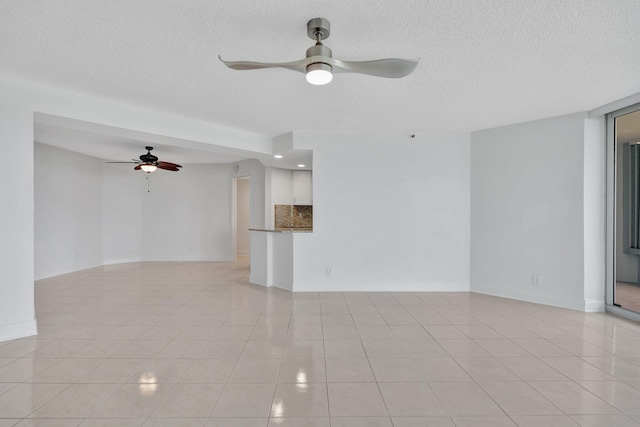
293 216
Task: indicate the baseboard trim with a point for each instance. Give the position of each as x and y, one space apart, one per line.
329 286
121 261
593 306
18 330
64 271
578 305
285 287
262 281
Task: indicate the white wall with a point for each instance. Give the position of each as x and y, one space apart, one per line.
68 211
283 259
243 216
17 317
261 258
391 213
186 215
528 210
122 190
89 213
272 259
594 213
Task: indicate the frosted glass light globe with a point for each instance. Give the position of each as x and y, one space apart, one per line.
319 74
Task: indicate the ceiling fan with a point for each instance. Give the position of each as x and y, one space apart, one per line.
149 163
319 64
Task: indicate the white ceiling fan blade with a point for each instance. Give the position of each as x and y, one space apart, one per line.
300 65
390 67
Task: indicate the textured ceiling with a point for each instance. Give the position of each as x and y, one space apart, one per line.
483 63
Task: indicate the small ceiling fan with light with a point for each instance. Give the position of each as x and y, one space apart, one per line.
319 64
149 163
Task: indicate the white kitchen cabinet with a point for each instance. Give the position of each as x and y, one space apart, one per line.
302 193
282 186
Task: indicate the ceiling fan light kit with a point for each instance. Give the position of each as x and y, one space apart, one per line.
148 168
319 74
319 64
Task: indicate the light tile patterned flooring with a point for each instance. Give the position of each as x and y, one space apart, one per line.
193 344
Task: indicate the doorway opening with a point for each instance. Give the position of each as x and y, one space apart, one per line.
242 217
623 229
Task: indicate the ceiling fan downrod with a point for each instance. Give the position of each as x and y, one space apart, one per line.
318 26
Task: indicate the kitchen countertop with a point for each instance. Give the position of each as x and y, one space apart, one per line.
283 230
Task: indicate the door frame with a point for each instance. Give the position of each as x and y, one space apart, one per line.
234 211
611 226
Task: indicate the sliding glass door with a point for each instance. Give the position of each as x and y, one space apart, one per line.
623 150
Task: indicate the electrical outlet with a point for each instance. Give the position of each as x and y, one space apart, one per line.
328 271
536 280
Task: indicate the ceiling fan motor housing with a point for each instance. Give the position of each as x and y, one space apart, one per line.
148 158
319 50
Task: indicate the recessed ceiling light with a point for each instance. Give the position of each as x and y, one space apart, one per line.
278 156
301 166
